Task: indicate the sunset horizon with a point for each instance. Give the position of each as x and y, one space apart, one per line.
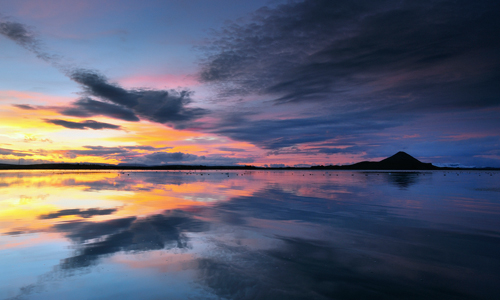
172 83
249 150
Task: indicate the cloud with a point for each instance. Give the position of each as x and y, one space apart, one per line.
231 149
354 69
125 153
151 156
25 37
87 107
161 106
88 124
4 151
439 52
24 106
33 138
281 133
169 157
165 158
170 107
84 213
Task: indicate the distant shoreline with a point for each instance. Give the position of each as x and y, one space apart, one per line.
400 161
190 167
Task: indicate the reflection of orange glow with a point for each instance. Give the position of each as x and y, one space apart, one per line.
31 241
25 196
177 196
159 260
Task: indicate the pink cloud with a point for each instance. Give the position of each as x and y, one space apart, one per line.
465 136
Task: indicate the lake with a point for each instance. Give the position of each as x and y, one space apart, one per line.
265 234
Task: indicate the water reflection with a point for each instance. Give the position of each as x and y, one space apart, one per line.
96 239
252 235
403 179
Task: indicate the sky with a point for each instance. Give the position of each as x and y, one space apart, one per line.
276 83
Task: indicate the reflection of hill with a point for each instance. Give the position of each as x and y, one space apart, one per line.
402 179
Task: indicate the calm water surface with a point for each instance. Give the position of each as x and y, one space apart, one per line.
249 235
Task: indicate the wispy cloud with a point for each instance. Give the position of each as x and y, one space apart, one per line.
84 213
87 107
24 106
87 124
4 151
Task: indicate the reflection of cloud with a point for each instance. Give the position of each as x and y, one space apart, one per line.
96 239
351 256
268 204
84 213
277 244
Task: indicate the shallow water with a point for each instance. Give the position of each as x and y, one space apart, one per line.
249 235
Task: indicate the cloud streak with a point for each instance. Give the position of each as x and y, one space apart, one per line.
84 213
88 124
26 38
151 156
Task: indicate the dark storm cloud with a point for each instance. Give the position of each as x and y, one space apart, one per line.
24 106
84 213
169 107
427 53
88 124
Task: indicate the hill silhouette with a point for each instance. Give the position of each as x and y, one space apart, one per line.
399 161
